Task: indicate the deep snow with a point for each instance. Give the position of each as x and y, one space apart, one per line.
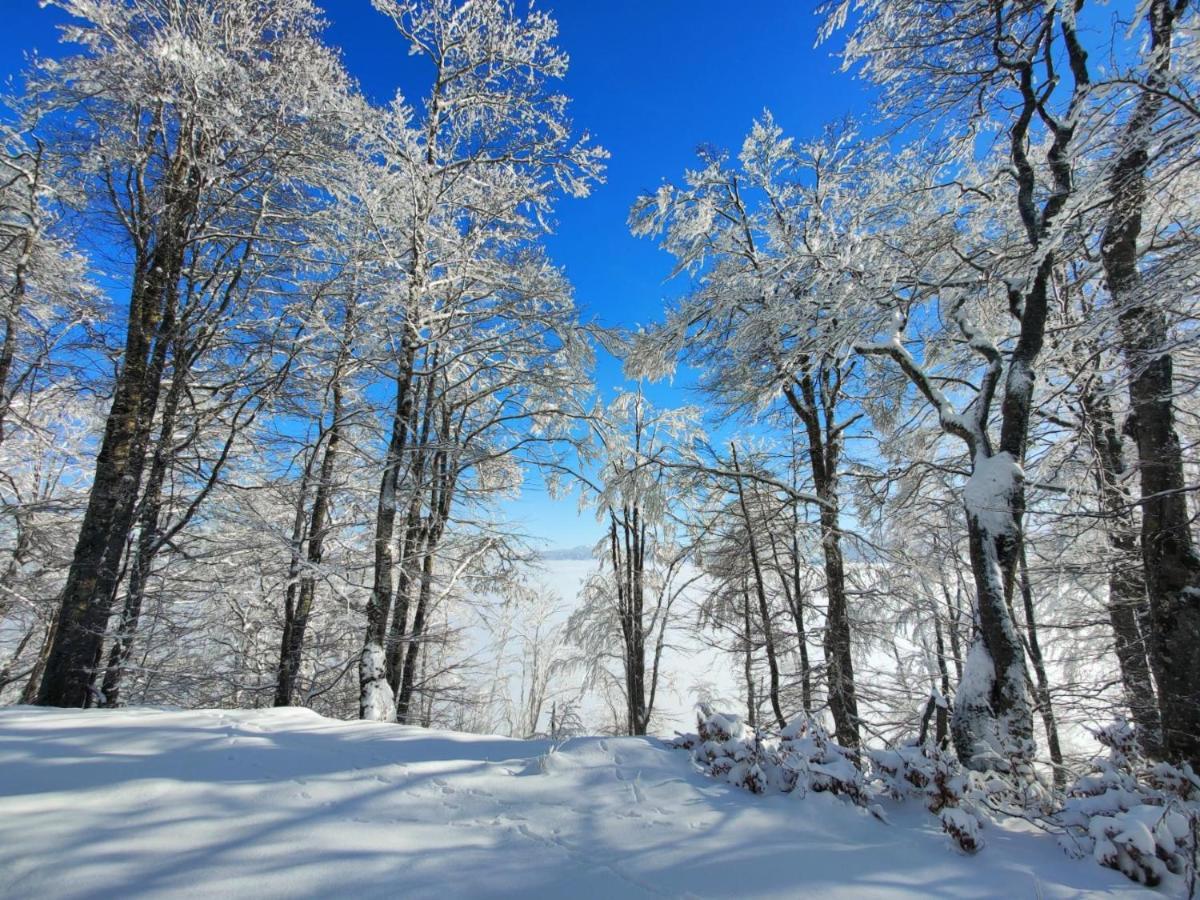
285 803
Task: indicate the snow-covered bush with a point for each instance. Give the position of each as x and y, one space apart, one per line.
1133 815
813 762
726 748
802 758
934 775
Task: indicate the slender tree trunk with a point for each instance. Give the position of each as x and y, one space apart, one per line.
942 724
12 322
21 548
793 594
993 720
443 482
748 661
798 596
1172 566
637 556
407 574
1045 703
6 674
416 637
33 685
296 618
18 288
761 594
954 622
824 454
372 667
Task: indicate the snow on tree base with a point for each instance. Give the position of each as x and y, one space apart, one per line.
378 702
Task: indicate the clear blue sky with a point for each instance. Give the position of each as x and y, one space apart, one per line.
651 80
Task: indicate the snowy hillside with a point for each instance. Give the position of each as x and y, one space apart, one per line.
274 803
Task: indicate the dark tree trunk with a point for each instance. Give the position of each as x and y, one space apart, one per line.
1172 567
444 480
798 600
1127 602
998 718
942 725
816 408
953 624
379 605
33 685
794 595
12 322
748 661
17 290
408 574
148 524
417 532
628 553
296 617
87 598
761 594
416 638
1045 705
6 674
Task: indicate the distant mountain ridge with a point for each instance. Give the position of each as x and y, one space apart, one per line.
580 552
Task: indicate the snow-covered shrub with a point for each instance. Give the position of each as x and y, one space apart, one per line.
730 750
813 762
934 775
1132 815
803 758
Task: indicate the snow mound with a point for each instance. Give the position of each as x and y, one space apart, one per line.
284 803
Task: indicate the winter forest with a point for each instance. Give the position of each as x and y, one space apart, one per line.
895 504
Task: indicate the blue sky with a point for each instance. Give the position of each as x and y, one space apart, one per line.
651 80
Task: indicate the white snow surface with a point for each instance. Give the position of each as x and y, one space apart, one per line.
285 803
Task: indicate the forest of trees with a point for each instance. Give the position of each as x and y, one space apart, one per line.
275 358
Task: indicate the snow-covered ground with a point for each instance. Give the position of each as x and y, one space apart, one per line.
285 803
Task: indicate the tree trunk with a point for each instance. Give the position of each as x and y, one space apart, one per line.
942 724
824 455
87 598
33 685
6 674
1045 705
379 606
1172 566
415 637
748 661
794 595
992 717
798 596
1127 603
443 481
148 523
761 594
408 574
296 618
